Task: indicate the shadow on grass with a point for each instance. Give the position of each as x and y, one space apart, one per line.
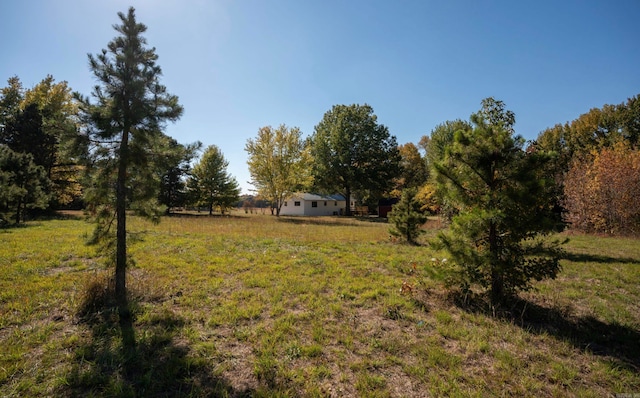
156 365
596 258
326 221
33 220
620 344
203 215
8 227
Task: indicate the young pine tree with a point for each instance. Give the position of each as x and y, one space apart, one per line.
211 184
407 217
504 206
123 131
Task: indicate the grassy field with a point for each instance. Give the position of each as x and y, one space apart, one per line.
258 306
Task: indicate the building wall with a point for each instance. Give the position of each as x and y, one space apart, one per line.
332 207
306 207
290 209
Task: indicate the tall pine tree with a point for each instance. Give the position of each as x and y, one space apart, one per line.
123 131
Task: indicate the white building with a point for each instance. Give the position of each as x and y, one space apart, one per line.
309 204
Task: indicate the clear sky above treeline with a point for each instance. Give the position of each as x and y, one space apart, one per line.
239 65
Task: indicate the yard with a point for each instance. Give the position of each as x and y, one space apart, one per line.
253 305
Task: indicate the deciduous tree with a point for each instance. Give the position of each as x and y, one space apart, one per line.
602 191
279 161
413 167
352 152
59 112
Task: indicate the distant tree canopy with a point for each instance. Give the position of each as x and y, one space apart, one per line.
42 121
441 136
414 170
353 153
502 206
23 185
602 191
278 163
210 184
599 128
601 142
174 168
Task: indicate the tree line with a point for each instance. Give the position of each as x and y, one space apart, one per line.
49 158
597 168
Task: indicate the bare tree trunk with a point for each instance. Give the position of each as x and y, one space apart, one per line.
497 282
347 210
121 218
18 211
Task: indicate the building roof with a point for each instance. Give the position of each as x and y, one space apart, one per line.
313 196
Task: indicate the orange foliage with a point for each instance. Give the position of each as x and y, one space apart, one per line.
602 191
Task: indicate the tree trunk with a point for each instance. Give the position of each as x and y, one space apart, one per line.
347 210
497 282
121 229
18 211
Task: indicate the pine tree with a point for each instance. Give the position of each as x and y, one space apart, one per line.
504 205
23 185
123 129
407 217
174 169
211 184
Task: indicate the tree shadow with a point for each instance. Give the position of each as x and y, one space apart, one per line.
36 219
10 226
202 215
158 364
618 343
596 258
324 221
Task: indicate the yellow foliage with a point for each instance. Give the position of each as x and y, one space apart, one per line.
427 197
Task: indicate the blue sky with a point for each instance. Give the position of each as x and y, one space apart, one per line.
240 65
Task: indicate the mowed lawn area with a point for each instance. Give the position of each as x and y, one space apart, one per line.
253 305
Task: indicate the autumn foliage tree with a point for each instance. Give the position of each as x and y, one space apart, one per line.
602 191
278 163
42 122
590 152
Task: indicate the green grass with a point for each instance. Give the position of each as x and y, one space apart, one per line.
256 306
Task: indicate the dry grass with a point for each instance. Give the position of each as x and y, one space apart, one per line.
251 305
